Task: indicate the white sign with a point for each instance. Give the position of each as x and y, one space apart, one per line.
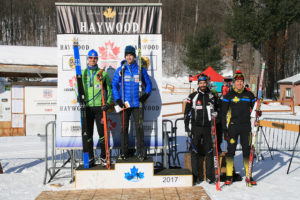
5 104
40 100
17 120
17 92
68 108
17 106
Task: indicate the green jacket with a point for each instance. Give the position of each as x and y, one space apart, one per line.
92 87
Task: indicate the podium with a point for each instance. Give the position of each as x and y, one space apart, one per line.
131 173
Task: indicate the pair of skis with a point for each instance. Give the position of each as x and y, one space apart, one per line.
215 149
87 145
253 139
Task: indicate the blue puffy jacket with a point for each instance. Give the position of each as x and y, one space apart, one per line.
131 84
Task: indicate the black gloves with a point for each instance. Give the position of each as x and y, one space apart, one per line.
105 107
144 97
120 103
188 130
226 134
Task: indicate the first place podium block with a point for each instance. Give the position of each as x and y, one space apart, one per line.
131 174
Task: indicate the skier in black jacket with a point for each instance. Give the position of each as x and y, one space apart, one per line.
196 109
236 110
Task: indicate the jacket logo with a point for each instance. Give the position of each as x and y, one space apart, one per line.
109 13
235 99
199 102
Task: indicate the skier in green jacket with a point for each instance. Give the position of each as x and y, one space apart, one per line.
91 77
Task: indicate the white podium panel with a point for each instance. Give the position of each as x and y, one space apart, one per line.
131 175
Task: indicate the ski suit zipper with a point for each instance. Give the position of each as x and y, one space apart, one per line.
204 106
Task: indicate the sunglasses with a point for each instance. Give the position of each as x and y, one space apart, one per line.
203 78
93 58
238 76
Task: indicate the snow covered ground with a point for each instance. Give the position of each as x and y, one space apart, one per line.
23 165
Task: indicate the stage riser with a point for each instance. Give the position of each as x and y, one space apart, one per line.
95 179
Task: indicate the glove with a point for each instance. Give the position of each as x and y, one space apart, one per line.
120 103
258 113
144 97
226 135
188 130
105 107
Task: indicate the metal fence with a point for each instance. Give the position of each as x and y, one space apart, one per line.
278 138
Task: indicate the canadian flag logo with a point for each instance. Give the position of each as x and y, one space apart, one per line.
72 82
109 51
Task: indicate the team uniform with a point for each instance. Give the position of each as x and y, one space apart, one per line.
128 90
94 108
201 144
236 110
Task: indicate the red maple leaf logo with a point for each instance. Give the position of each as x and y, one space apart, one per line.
72 82
111 124
108 51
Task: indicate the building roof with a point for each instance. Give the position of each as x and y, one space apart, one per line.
28 61
28 55
290 80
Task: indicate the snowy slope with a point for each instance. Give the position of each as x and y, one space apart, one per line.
24 168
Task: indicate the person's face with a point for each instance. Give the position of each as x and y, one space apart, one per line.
238 84
92 61
129 58
202 85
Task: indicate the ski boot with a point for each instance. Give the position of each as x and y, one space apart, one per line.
250 182
228 180
102 162
122 157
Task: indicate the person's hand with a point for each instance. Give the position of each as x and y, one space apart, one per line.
226 135
144 97
258 113
105 107
188 130
120 103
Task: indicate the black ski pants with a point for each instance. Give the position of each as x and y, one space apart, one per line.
138 127
202 146
244 132
95 114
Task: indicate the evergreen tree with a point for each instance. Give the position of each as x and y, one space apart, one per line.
202 50
263 23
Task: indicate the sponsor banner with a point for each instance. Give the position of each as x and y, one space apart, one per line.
5 103
110 49
40 100
101 19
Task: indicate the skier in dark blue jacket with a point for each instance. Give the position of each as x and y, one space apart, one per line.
125 88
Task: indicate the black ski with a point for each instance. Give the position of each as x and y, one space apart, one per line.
87 145
215 148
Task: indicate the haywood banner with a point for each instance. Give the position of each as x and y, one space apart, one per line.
107 28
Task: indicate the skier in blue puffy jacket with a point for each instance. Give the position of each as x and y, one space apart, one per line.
125 87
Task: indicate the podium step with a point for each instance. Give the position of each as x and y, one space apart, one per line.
131 173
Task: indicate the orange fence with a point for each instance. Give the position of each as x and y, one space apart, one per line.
174 103
172 89
291 103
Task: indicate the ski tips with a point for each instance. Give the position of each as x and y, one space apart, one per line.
75 41
263 65
218 187
139 42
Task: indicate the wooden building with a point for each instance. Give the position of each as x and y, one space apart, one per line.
18 111
290 88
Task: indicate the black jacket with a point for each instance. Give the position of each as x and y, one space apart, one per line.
196 108
239 106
